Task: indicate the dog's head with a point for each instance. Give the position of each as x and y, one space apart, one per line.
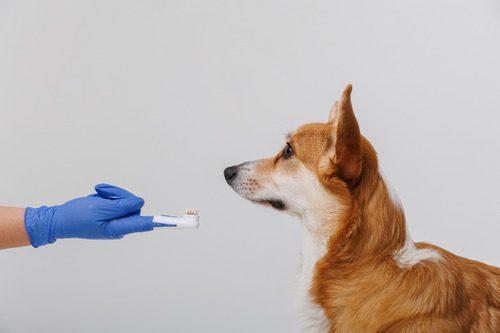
314 171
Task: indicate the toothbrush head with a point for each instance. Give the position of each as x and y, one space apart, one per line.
191 216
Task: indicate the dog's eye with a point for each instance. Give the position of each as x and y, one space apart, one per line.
288 151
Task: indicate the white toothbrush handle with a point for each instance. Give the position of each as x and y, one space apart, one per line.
177 222
164 219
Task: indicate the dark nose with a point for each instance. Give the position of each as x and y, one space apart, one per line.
230 173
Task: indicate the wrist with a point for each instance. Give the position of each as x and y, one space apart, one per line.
39 226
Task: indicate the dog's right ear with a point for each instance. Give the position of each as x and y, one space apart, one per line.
345 152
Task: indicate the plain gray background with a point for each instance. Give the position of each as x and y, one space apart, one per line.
160 96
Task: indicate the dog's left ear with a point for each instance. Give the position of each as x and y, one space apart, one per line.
333 112
345 152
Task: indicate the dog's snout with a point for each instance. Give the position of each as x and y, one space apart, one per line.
230 173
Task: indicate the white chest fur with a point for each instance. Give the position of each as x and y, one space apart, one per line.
312 317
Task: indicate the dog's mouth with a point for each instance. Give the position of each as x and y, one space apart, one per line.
275 203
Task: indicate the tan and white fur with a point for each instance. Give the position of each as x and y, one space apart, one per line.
360 269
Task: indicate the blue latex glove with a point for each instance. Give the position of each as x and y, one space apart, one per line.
111 213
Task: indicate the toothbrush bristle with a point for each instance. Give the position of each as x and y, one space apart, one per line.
191 211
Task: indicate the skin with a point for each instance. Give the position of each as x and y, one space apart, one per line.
12 230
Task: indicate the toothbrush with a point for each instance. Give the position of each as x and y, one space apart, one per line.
190 220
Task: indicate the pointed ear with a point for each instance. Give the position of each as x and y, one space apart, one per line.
333 112
346 139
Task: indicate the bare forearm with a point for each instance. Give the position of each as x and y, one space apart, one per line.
12 230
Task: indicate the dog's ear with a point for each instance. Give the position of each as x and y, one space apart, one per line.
345 152
333 112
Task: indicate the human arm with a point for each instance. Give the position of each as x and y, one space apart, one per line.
12 230
110 213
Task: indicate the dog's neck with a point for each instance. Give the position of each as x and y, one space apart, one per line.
372 224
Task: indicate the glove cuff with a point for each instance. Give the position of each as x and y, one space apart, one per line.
38 223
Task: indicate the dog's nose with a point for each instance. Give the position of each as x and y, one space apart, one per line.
230 173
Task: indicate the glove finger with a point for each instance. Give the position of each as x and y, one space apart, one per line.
133 223
112 192
122 207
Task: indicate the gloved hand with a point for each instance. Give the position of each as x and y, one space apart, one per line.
111 213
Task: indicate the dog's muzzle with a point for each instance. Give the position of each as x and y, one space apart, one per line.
231 176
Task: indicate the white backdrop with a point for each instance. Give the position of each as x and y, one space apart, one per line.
160 96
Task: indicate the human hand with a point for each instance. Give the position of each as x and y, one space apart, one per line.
111 213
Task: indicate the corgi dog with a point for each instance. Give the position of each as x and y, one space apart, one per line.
360 270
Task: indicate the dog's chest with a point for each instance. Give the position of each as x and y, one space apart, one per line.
312 318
